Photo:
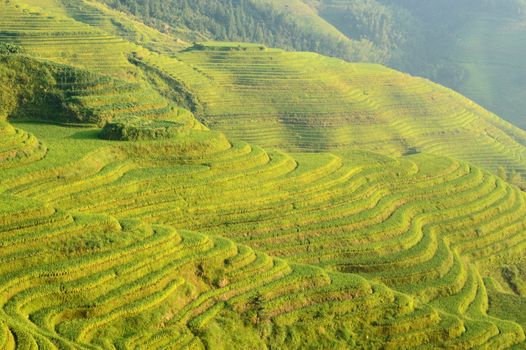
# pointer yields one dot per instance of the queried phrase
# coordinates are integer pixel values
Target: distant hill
(276, 23)
(470, 46)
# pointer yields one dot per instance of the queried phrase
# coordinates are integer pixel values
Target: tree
(256, 308)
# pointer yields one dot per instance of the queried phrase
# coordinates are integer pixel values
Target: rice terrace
(251, 174)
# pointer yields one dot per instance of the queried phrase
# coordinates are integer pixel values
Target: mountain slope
(151, 231)
(405, 222)
(302, 101)
(467, 45)
(470, 46)
(285, 24)
(310, 102)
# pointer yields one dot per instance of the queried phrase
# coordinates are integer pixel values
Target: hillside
(157, 194)
(469, 46)
(496, 78)
(466, 45)
(430, 228)
(289, 24)
(303, 101)
(310, 103)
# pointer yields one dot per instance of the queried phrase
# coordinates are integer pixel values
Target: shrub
(138, 129)
(7, 49)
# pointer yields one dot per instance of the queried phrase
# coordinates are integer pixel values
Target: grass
(306, 102)
(319, 230)
(18, 147)
(133, 281)
(268, 97)
(288, 231)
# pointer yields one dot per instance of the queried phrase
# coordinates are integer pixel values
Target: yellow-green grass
(421, 224)
(114, 22)
(81, 33)
(94, 240)
(67, 33)
(61, 39)
(307, 102)
(268, 97)
(93, 282)
(18, 147)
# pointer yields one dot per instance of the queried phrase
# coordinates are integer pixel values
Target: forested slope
(288, 25)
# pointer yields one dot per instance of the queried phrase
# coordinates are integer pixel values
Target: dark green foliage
(511, 276)
(28, 89)
(256, 309)
(137, 129)
(387, 28)
(506, 305)
(34, 90)
(6, 49)
(247, 21)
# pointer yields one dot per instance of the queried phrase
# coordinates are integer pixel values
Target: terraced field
(94, 99)
(307, 102)
(384, 237)
(62, 39)
(18, 147)
(268, 97)
(79, 33)
(424, 226)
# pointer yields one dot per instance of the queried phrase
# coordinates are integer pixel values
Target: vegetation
(136, 129)
(323, 216)
(314, 103)
(289, 25)
(437, 40)
(10, 49)
(18, 147)
(310, 102)
(125, 224)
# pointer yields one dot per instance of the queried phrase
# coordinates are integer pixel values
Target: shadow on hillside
(92, 134)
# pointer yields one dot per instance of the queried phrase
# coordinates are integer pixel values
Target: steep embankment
(38, 90)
